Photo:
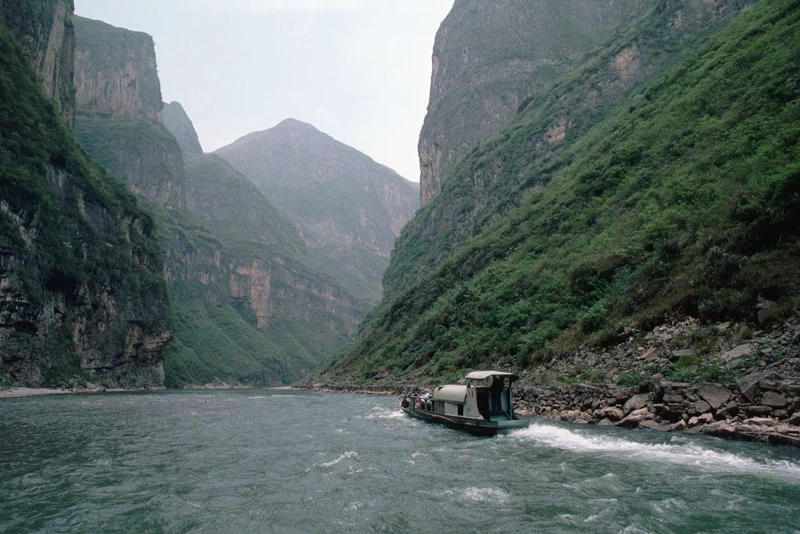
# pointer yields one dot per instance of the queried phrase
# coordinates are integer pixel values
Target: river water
(283, 461)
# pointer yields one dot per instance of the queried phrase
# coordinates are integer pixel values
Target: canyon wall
(118, 111)
(45, 31)
(491, 57)
(82, 295)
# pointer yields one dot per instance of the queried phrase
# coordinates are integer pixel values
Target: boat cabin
(486, 395)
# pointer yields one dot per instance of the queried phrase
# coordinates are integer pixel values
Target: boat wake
(683, 454)
(382, 413)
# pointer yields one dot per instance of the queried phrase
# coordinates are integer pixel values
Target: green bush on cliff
(686, 196)
(70, 210)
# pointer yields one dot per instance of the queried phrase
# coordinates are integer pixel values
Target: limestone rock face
(178, 122)
(490, 57)
(116, 72)
(82, 295)
(348, 208)
(118, 111)
(48, 37)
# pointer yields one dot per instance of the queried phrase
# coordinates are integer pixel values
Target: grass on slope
(33, 139)
(500, 175)
(687, 196)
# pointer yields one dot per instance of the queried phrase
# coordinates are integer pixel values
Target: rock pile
(764, 406)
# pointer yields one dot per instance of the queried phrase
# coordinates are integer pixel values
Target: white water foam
(382, 413)
(494, 495)
(345, 456)
(683, 454)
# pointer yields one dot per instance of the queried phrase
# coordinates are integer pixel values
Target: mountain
(348, 208)
(616, 206)
(249, 306)
(82, 294)
(491, 57)
(502, 173)
(178, 122)
(118, 111)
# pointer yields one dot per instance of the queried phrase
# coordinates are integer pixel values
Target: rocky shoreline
(762, 407)
(90, 389)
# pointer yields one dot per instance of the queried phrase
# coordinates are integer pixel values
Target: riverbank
(90, 389)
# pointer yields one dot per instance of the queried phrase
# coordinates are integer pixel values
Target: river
(284, 461)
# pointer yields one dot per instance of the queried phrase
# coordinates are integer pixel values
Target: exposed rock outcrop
(82, 296)
(46, 32)
(491, 57)
(118, 111)
(348, 208)
(178, 122)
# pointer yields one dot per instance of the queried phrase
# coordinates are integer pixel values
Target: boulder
(794, 419)
(758, 410)
(672, 397)
(760, 421)
(720, 429)
(774, 400)
(702, 407)
(610, 412)
(714, 395)
(570, 415)
(636, 402)
(605, 422)
(652, 425)
(636, 417)
(738, 352)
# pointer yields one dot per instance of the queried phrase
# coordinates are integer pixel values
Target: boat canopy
(482, 375)
(451, 394)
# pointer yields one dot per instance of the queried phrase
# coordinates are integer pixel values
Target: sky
(358, 70)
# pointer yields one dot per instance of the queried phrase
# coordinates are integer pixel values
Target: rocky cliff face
(251, 308)
(348, 208)
(502, 173)
(490, 57)
(118, 111)
(46, 32)
(178, 122)
(82, 296)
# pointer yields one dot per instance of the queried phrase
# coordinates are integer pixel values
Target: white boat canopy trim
(451, 394)
(481, 375)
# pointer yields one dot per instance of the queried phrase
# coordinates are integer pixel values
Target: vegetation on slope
(66, 231)
(687, 196)
(500, 174)
(217, 335)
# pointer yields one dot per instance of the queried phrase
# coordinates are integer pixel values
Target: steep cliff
(499, 175)
(45, 31)
(118, 111)
(683, 198)
(82, 295)
(178, 122)
(490, 57)
(250, 308)
(348, 208)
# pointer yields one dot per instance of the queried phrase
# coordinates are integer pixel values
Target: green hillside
(497, 176)
(228, 228)
(73, 245)
(685, 196)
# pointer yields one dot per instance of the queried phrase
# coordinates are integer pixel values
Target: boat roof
(481, 375)
(451, 394)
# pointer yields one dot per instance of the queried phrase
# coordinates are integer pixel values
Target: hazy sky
(358, 70)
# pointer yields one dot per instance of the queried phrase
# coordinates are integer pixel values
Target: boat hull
(477, 427)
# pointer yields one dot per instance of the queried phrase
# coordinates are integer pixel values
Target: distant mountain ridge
(348, 208)
(249, 306)
(178, 122)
